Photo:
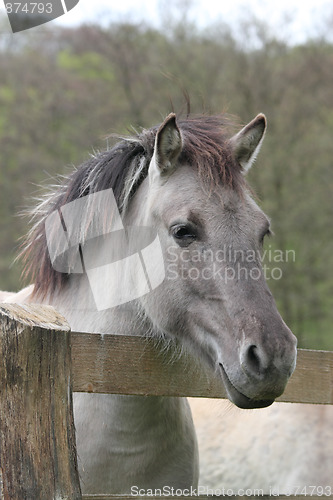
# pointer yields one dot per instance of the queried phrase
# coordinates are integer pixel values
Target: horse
(180, 189)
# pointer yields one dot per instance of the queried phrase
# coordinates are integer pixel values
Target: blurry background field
(63, 90)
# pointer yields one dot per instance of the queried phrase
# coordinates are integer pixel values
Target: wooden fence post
(37, 437)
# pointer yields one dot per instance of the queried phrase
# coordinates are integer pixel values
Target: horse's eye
(183, 234)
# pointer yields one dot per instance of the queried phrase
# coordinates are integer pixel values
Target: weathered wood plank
(312, 381)
(135, 365)
(37, 452)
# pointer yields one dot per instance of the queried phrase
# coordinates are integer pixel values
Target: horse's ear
(246, 144)
(168, 145)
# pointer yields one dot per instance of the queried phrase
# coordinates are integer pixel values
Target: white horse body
(231, 324)
(285, 449)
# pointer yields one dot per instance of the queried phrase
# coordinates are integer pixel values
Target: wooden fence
(42, 362)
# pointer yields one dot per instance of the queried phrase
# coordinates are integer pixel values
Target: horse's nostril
(253, 359)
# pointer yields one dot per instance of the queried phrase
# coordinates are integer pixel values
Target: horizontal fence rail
(42, 362)
(123, 364)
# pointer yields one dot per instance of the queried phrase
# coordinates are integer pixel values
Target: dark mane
(123, 168)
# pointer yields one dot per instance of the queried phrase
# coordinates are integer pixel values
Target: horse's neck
(134, 440)
(76, 303)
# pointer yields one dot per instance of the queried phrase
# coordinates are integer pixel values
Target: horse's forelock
(205, 147)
